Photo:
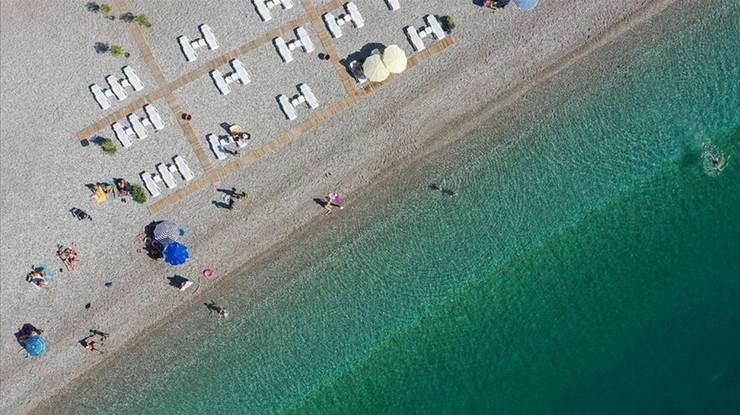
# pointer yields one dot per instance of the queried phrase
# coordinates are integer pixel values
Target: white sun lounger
(207, 39)
(154, 117)
(285, 49)
(150, 184)
(116, 87)
(123, 134)
(393, 4)
(183, 167)
(222, 81)
(311, 100)
(263, 7)
(414, 38)
(100, 97)
(288, 105)
(166, 175)
(216, 146)
(334, 24)
(132, 78)
(137, 126)
(436, 28)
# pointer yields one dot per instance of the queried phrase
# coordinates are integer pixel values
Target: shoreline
(452, 132)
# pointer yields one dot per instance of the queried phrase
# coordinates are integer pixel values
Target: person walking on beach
(235, 197)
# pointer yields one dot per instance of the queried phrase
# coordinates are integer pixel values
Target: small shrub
(109, 146)
(117, 51)
(447, 23)
(143, 20)
(138, 193)
(106, 9)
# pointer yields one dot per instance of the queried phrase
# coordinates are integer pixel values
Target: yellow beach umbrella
(375, 69)
(394, 59)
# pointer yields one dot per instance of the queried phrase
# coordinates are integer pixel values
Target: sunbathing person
(108, 188)
(122, 186)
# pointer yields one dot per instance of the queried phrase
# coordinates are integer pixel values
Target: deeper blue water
(587, 264)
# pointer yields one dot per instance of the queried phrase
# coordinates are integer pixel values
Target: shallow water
(587, 264)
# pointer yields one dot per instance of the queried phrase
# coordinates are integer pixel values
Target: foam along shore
(493, 53)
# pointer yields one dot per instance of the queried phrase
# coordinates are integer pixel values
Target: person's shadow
(220, 204)
(321, 202)
(212, 307)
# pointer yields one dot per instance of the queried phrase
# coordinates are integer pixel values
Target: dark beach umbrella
(35, 345)
(176, 254)
(166, 229)
(526, 5)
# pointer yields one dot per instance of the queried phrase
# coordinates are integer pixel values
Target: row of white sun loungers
(207, 39)
(218, 145)
(305, 95)
(416, 37)
(137, 126)
(222, 81)
(335, 23)
(263, 7)
(166, 170)
(285, 48)
(116, 87)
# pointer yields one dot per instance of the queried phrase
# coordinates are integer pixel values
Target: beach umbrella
(526, 5)
(375, 69)
(176, 254)
(166, 229)
(394, 59)
(35, 345)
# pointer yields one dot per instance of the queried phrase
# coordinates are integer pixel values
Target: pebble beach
(49, 60)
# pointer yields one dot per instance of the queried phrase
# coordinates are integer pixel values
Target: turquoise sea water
(587, 264)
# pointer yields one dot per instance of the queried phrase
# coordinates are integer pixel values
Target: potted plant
(117, 51)
(109, 146)
(143, 20)
(447, 23)
(138, 193)
(107, 11)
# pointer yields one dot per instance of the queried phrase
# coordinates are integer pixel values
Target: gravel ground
(48, 61)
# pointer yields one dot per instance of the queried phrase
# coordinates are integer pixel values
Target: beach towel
(100, 196)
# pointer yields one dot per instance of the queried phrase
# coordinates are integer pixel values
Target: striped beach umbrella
(166, 230)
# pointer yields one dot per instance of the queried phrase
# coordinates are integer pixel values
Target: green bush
(106, 9)
(109, 146)
(143, 20)
(138, 193)
(447, 23)
(117, 51)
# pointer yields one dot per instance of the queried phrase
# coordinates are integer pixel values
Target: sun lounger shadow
(177, 281)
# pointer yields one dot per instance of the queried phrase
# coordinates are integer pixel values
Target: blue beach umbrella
(35, 345)
(526, 5)
(176, 253)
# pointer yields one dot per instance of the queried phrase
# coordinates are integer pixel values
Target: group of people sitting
(70, 255)
(495, 4)
(27, 331)
(92, 345)
(101, 191)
